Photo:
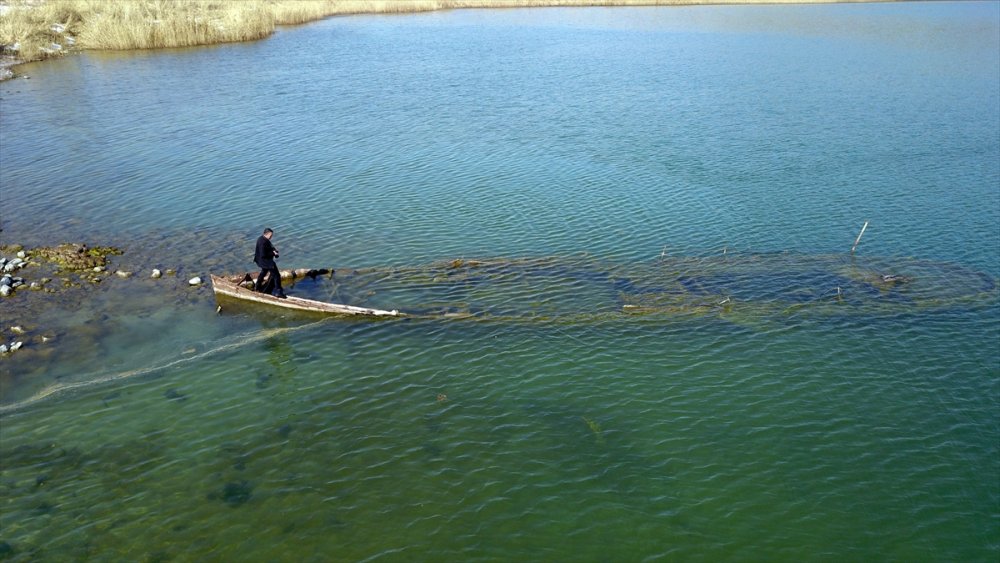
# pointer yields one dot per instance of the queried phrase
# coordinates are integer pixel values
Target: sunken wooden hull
(236, 287)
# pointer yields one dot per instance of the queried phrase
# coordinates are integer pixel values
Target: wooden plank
(230, 288)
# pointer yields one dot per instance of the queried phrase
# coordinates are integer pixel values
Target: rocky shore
(6, 66)
(32, 279)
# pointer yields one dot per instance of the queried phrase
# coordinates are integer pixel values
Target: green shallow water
(332, 449)
(666, 352)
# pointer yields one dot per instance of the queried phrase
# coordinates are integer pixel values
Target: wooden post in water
(857, 240)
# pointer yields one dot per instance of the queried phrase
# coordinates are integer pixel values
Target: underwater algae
(582, 289)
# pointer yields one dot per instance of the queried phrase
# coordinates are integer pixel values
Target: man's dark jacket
(264, 255)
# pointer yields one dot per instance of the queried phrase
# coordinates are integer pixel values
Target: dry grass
(29, 28)
(152, 24)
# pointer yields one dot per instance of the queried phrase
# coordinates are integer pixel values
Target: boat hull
(233, 287)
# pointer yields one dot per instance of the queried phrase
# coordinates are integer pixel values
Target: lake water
(671, 355)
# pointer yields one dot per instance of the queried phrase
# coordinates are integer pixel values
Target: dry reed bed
(36, 29)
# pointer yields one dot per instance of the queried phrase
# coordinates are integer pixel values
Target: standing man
(264, 257)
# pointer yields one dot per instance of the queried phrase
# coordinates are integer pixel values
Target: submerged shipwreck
(580, 289)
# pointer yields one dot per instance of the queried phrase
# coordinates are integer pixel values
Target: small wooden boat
(241, 287)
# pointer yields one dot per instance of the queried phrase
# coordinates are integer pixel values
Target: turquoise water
(665, 157)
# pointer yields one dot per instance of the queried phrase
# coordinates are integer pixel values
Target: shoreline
(145, 27)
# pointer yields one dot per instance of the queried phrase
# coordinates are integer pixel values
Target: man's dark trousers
(273, 283)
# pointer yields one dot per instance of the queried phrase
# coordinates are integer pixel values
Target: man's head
(268, 233)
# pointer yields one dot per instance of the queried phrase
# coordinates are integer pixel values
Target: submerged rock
(110, 397)
(263, 381)
(12, 264)
(6, 550)
(175, 395)
(236, 493)
(77, 257)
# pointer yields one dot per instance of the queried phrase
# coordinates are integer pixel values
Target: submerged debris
(175, 395)
(736, 287)
(236, 493)
(595, 428)
(893, 278)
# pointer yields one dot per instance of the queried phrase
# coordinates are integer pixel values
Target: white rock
(3, 348)
(123, 274)
(21, 254)
(98, 269)
(156, 273)
(16, 346)
(195, 281)
(17, 329)
(5, 290)
(35, 285)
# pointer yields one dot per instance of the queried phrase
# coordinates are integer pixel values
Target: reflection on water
(677, 359)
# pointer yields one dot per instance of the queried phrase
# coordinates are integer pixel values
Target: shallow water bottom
(754, 413)
(444, 440)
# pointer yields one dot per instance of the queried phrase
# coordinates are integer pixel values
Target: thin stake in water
(857, 240)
